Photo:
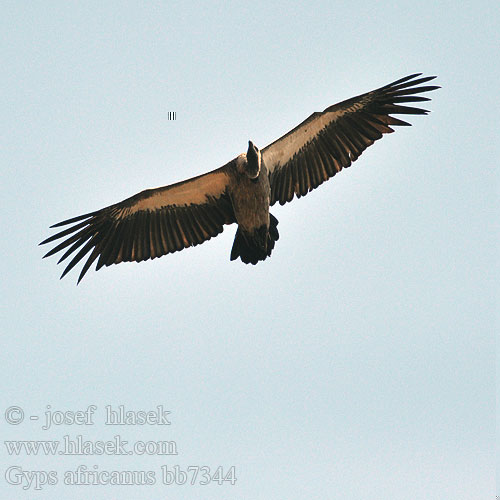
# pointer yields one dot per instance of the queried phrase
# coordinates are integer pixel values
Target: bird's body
(250, 197)
(158, 221)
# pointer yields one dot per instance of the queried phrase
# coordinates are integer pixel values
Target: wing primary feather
(402, 80)
(64, 233)
(79, 242)
(92, 257)
(75, 219)
(110, 240)
(116, 244)
(83, 251)
(128, 242)
(410, 91)
(409, 98)
(404, 110)
(391, 120)
(68, 241)
(402, 85)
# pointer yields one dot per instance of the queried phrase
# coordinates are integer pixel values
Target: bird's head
(253, 161)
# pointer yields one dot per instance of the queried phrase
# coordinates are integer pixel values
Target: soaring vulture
(158, 221)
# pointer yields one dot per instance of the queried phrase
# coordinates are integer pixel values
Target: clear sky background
(359, 361)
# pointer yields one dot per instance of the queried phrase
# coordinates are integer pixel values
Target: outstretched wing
(326, 142)
(148, 225)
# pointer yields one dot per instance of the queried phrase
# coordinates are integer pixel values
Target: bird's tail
(256, 246)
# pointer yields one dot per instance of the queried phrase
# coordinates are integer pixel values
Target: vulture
(167, 219)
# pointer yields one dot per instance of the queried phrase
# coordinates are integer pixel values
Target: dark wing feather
(326, 142)
(148, 225)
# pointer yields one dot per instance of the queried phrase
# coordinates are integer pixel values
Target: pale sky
(359, 361)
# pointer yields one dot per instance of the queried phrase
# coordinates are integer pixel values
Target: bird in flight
(159, 221)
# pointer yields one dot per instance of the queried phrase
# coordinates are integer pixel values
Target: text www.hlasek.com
(80, 446)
